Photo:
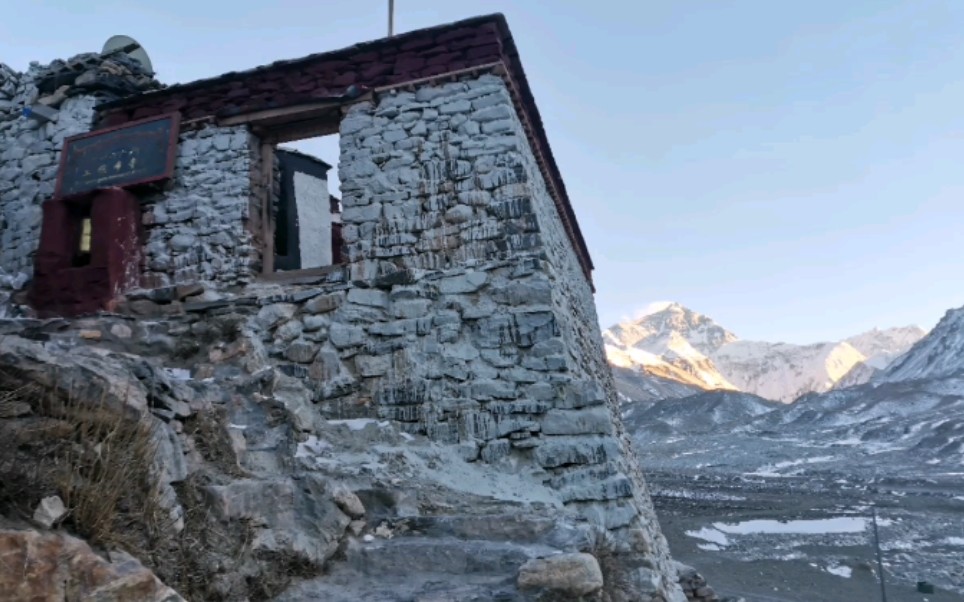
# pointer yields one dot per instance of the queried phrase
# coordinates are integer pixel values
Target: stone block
(458, 106)
(560, 451)
(289, 331)
(410, 308)
(580, 394)
(373, 365)
(302, 352)
(368, 297)
(325, 303)
(496, 450)
(493, 389)
(312, 323)
(270, 316)
(589, 421)
(346, 335)
(522, 406)
(468, 282)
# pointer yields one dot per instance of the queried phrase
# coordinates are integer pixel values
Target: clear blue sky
(793, 169)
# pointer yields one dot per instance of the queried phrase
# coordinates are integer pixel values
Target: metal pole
(880, 562)
(391, 18)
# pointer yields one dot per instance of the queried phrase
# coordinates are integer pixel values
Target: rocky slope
(671, 342)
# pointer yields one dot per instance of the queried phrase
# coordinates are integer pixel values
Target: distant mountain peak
(657, 307)
(671, 341)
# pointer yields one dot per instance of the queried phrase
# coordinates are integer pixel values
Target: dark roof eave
(293, 63)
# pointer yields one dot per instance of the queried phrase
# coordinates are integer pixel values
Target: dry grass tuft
(99, 458)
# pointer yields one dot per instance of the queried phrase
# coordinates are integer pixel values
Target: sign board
(135, 153)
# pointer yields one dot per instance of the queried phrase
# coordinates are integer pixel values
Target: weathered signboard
(139, 152)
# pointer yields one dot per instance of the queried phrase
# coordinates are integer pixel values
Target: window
(299, 217)
(84, 233)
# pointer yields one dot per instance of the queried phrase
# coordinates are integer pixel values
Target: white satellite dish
(131, 48)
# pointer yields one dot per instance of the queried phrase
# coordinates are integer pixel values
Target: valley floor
(808, 537)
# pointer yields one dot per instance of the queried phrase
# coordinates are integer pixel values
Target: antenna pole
(391, 18)
(880, 563)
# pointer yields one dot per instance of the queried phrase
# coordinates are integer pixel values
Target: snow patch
(770, 470)
(357, 424)
(178, 373)
(840, 571)
(311, 447)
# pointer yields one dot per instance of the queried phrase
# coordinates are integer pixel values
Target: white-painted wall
(314, 220)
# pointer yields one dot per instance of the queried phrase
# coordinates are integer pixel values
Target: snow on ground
(178, 373)
(770, 470)
(357, 424)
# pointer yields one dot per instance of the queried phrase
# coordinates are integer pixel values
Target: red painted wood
(59, 288)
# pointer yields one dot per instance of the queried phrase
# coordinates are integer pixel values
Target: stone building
(456, 299)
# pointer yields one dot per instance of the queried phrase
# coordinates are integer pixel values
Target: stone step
(427, 587)
(515, 528)
(405, 556)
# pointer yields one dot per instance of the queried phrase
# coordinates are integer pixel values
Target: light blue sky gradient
(793, 169)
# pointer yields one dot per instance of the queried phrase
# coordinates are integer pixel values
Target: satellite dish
(131, 48)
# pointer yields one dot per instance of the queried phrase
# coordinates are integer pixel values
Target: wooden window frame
(277, 126)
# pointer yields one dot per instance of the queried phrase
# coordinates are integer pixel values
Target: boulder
(54, 566)
(576, 574)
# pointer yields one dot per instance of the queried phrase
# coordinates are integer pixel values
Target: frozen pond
(839, 524)
(717, 534)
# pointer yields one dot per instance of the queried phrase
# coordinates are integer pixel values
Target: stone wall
(200, 227)
(486, 333)
(462, 313)
(30, 149)
(29, 156)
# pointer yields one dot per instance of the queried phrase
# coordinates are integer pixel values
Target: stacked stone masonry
(200, 227)
(464, 311)
(30, 148)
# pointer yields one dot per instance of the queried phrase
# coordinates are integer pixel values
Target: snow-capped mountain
(784, 372)
(939, 354)
(672, 342)
(881, 347)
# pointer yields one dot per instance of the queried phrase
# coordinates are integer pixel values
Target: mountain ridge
(671, 341)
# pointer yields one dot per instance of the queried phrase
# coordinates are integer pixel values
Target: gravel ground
(823, 551)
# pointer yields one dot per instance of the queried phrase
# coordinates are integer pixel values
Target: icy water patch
(711, 535)
(839, 524)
